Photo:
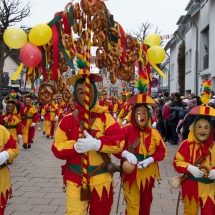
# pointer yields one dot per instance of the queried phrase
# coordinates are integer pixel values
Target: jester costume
(11, 119)
(143, 149)
(8, 150)
(195, 158)
(30, 117)
(62, 108)
(104, 136)
(50, 115)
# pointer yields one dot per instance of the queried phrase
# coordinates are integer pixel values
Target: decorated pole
(87, 91)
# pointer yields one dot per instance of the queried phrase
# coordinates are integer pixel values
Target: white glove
(154, 125)
(145, 163)
(114, 115)
(129, 156)
(87, 144)
(124, 122)
(195, 171)
(65, 110)
(33, 124)
(212, 174)
(42, 117)
(118, 120)
(19, 136)
(3, 157)
(56, 118)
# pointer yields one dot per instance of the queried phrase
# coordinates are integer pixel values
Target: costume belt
(141, 157)
(28, 117)
(3, 165)
(202, 180)
(91, 170)
(10, 126)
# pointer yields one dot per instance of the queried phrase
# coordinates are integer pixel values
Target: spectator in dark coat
(188, 120)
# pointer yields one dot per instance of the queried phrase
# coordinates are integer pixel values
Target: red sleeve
(36, 117)
(19, 128)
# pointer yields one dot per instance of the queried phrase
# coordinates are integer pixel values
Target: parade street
(37, 183)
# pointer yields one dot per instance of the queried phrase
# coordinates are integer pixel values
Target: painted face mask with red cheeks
(141, 116)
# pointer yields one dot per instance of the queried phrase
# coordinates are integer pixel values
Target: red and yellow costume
(29, 116)
(105, 129)
(126, 108)
(144, 148)
(13, 124)
(198, 151)
(61, 106)
(50, 113)
(195, 191)
(7, 143)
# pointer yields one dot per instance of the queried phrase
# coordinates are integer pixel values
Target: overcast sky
(130, 14)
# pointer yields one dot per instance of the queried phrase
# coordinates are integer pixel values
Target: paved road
(37, 183)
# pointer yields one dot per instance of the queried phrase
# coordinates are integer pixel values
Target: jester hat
(205, 98)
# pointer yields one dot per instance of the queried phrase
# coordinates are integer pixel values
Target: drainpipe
(168, 73)
(196, 74)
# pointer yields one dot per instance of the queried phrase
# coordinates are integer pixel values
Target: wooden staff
(86, 106)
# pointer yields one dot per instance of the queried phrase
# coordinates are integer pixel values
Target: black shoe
(52, 137)
(29, 146)
(47, 136)
(24, 146)
(44, 133)
(174, 143)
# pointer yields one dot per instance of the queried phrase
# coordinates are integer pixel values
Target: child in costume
(195, 158)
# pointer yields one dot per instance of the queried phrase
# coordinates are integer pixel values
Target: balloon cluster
(30, 54)
(156, 54)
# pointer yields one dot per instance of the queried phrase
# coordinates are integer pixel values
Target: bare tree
(11, 12)
(143, 30)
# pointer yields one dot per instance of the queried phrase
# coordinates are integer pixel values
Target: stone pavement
(37, 183)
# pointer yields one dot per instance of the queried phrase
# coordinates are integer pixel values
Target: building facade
(197, 30)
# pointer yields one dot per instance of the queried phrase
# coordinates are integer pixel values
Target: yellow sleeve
(121, 113)
(115, 109)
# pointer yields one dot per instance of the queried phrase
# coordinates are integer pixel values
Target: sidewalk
(37, 183)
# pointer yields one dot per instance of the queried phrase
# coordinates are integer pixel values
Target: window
(186, 61)
(190, 59)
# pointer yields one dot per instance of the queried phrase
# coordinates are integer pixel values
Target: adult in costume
(8, 151)
(144, 148)
(11, 120)
(112, 104)
(103, 101)
(49, 114)
(61, 106)
(120, 102)
(125, 107)
(30, 117)
(195, 158)
(103, 138)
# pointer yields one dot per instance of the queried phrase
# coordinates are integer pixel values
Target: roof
(167, 46)
(180, 19)
(189, 5)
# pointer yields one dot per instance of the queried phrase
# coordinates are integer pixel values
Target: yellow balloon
(156, 54)
(152, 40)
(40, 34)
(15, 37)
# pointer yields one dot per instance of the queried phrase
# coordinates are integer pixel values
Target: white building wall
(204, 18)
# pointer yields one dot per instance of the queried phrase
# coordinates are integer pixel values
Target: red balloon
(30, 55)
